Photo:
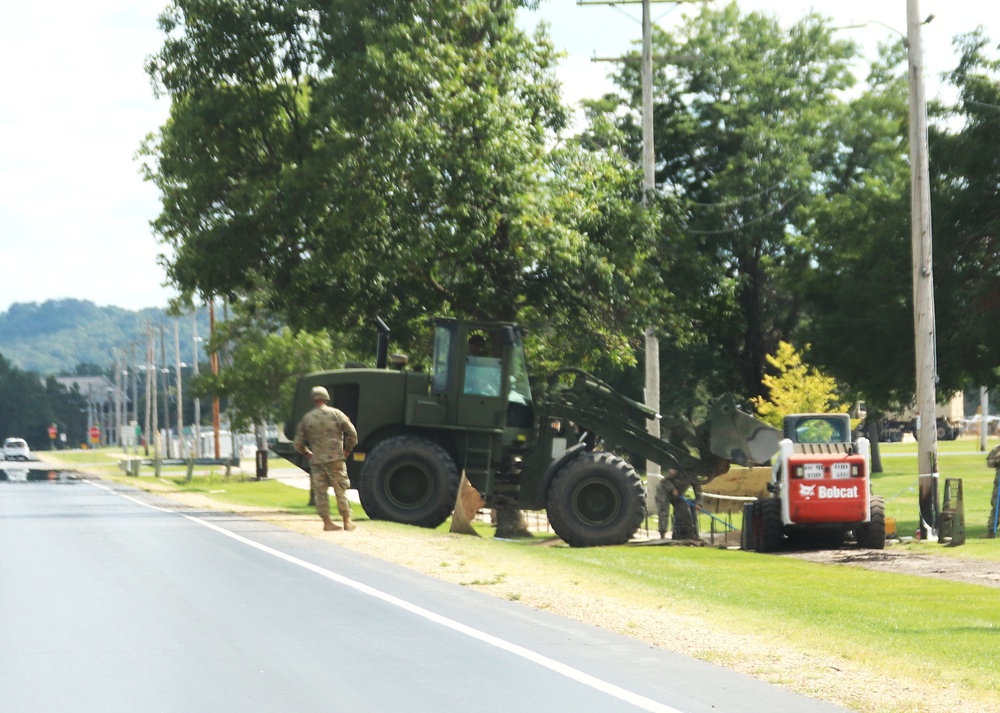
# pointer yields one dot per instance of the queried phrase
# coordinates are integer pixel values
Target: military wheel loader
(475, 414)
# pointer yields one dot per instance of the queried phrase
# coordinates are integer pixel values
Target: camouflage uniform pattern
(325, 434)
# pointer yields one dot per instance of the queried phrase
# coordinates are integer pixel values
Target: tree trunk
(510, 522)
(872, 434)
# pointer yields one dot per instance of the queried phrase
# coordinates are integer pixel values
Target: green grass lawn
(956, 459)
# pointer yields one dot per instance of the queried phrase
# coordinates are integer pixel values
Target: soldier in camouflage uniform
(327, 436)
(685, 526)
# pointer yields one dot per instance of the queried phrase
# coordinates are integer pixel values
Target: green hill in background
(55, 336)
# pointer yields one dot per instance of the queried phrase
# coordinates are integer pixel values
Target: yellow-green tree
(795, 387)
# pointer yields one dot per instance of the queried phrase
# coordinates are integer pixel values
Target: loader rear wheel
(596, 499)
(767, 527)
(409, 479)
(871, 535)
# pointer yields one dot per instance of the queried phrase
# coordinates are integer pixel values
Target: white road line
(586, 679)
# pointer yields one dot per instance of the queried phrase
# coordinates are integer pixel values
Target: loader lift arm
(696, 453)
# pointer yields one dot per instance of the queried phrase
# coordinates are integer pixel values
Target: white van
(16, 449)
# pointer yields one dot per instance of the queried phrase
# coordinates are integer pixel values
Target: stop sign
(95, 434)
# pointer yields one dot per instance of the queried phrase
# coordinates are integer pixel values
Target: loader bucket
(739, 437)
(467, 504)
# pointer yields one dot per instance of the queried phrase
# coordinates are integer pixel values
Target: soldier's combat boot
(329, 524)
(348, 525)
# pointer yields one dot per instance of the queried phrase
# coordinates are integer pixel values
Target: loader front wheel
(596, 499)
(409, 479)
(871, 535)
(767, 527)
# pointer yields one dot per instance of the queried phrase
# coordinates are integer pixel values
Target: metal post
(984, 413)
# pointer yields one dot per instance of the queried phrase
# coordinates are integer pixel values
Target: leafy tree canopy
(263, 361)
(742, 124)
(348, 160)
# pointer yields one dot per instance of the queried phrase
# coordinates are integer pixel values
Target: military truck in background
(895, 426)
(476, 413)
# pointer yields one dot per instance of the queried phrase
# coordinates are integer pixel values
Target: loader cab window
(483, 367)
(520, 386)
(520, 413)
(820, 430)
(443, 337)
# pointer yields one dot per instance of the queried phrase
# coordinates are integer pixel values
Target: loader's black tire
(768, 529)
(871, 535)
(596, 499)
(409, 479)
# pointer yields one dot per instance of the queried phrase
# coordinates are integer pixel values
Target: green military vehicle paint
(475, 413)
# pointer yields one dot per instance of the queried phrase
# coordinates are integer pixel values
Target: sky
(76, 105)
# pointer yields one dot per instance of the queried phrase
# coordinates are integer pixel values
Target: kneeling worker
(327, 436)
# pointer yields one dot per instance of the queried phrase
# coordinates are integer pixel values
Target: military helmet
(318, 392)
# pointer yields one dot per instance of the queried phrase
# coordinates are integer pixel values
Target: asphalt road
(113, 600)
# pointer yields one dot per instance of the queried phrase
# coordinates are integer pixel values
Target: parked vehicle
(16, 449)
(894, 426)
(821, 489)
(476, 414)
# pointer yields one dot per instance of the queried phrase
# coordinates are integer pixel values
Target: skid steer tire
(596, 499)
(871, 535)
(409, 479)
(767, 527)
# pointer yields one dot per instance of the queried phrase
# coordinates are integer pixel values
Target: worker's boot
(329, 524)
(348, 525)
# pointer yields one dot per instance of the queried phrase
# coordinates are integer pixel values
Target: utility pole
(149, 393)
(197, 399)
(652, 391)
(214, 358)
(923, 280)
(134, 421)
(180, 390)
(151, 377)
(165, 378)
(118, 399)
(652, 342)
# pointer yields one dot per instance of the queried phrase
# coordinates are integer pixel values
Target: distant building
(100, 394)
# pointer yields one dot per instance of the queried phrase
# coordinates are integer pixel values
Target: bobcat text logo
(825, 492)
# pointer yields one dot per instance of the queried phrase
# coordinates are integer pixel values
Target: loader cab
(482, 365)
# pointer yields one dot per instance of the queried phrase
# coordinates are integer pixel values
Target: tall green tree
(350, 159)
(966, 164)
(742, 117)
(30, 404)
(263, 363)
(858, 287)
